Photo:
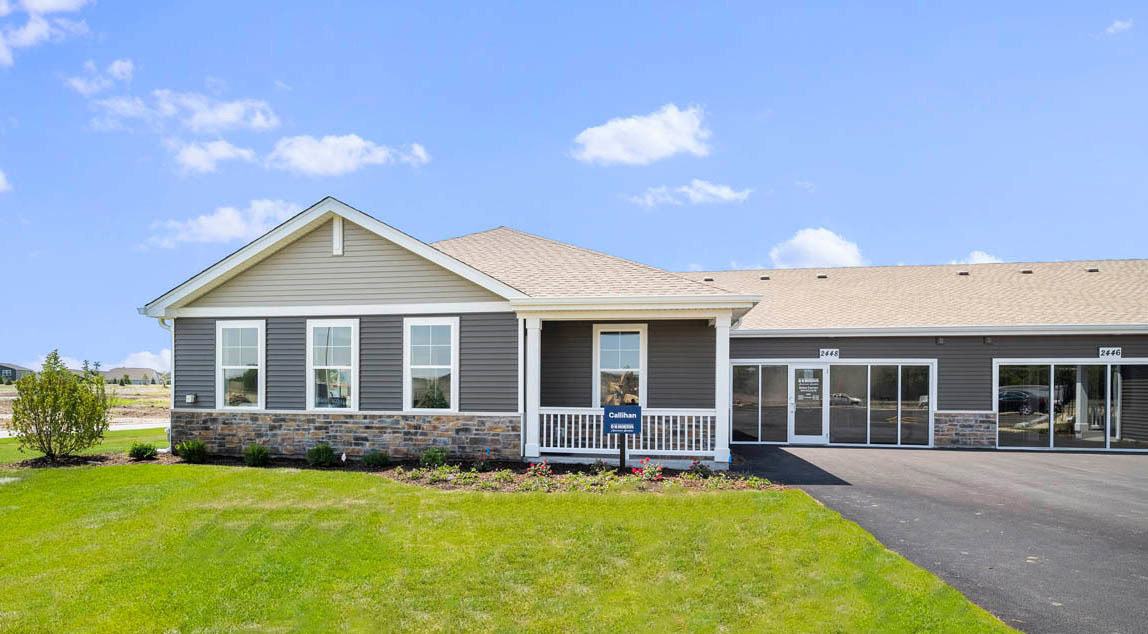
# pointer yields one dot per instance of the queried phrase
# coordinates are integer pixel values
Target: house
(13, 372)
(137, 376)
(335, 327)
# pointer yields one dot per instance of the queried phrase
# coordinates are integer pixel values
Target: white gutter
(661, 302)
(948, 331)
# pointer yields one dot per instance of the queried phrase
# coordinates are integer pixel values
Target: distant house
(13, 371)
(138, 376)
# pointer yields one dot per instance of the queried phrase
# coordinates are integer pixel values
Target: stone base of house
(290, 435)
(964, 430)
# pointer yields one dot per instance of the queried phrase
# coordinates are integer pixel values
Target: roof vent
(1092, 269)
(763, 277)
(962, 272)
(707, 279)
(822, 276)
(1026, 271)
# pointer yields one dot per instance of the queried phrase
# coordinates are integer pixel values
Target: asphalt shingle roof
(1054, 293)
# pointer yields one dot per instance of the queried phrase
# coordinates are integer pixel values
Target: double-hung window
(619, 364)
(430, 363)
(239, 359)
(333, 364)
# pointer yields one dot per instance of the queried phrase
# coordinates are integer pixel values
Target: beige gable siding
(372, 270)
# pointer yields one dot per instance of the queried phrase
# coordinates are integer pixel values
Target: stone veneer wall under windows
(964, 430)
(291, 434)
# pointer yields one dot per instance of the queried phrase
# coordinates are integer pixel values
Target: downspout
(170, 327)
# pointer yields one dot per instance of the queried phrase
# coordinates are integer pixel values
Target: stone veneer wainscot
(964, 430)
(402, 436)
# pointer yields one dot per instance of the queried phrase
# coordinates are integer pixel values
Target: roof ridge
(910, 266)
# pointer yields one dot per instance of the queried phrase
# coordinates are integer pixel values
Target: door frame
(823, 437)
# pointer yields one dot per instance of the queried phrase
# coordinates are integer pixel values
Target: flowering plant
(700, 468)
(648, 471)
(539, 470)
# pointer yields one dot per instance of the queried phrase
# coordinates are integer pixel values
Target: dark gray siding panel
(286, 363)
(488, 362)
(195, 362)
(965, 364)
(381, 358)
(567, 355)
(681, 357)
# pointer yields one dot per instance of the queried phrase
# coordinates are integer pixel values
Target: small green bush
(433, 457)
(256, 455)
(193, 451)
(506, 476)
(142, 451)
(376, 459)
(322, 455)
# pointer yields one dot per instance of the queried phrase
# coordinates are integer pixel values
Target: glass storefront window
(914, 405)
(848, 403)
(1022, 406)
(1079, 406)
(775, 403)
(1129, 425)
(883, 404)
(745, 403)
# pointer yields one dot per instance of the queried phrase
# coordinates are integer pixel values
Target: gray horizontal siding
(286, 363)
(964, 364)
(681, 359)
(194, 355)
(381, 362)
(488, 362)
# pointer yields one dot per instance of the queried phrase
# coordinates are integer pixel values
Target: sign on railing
(623, 419)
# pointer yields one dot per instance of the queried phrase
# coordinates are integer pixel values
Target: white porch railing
(665, 432)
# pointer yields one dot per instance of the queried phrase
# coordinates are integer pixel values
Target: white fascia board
(949, 331)
(615, 314)
(340, 310)
(657, 302)
(313, 216)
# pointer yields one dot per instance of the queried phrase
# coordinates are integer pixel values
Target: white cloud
(203, 157)
(196, 112)
(37, 29)
(225, 224)
(654, 196)
(1118, 26)
(145, 359)
(640, 140)
(5, 186)
(52, 6)
(282, 85)
(978, 257)
(815, 248)
(93, 81)
(698, 192)
(806, 185)
(334, 155)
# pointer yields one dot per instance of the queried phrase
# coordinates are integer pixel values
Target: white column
(722, 390)
(533, 385)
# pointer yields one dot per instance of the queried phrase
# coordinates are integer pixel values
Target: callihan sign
(622, 419)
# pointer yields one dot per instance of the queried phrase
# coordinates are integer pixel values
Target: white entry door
(809, 404)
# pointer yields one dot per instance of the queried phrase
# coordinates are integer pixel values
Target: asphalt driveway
(1048, 542)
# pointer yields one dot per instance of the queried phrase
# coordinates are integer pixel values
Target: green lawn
(114, 442)
(209, 549)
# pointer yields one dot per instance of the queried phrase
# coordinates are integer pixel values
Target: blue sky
(139, 144)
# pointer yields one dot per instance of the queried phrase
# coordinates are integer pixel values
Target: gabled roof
(541, 267)
(300, 224)
(1054, 296)
(133, 373)
(15, 367)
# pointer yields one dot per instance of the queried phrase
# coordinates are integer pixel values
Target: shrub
(539, 469)
(321, 455)
(505, 476)
(433, 457)
(376, 459)
(256, 455)
(700, 468)
(483, 464)
(142, 451)
(601, 466)
(648, 471)
(57, 412)
(193, 451)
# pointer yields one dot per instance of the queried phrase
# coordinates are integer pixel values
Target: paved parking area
(1048, 542)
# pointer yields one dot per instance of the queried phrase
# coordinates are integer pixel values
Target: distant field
(130, 401)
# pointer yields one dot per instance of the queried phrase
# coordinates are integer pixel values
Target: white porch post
(722, 390)
(533, 385)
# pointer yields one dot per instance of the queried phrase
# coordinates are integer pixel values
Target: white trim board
(327, 412)
(948, 331)
(302, 222)
(338, 310)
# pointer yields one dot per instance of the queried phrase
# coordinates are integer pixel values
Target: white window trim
(353, 405)
(260, 325)
(643, 369)
(454, 373)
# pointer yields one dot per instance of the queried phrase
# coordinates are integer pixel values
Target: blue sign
(622, 419)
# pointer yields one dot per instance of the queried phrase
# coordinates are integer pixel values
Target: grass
(114, 442)
(208, 549)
